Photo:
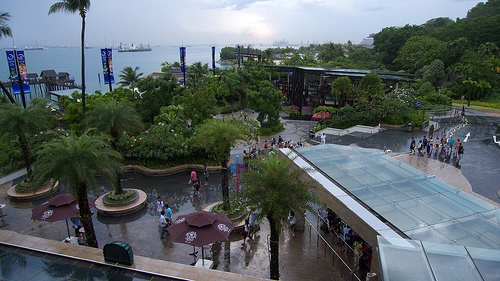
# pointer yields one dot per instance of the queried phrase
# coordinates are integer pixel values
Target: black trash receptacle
(118, 251)
(409, 128)
(311, 134)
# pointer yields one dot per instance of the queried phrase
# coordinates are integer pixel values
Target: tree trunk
(274, 241)
(86, 216)
(118, 183)
(26, 155)
(83, 63)
(225, 186)
(7, 93)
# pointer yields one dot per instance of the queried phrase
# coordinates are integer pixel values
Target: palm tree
(76, 161)
(24, 122)
(5, 31)
(218, 137)
(74, 6)
(129, 77)
(272, 187)
(114, 118)
(196, 73)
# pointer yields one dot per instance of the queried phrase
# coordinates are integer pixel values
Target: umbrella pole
(202, 255)
(67, 227)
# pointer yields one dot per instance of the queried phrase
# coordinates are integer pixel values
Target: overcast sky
(220, 22)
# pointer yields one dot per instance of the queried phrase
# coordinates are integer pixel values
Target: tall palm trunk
(26, 155)
(82, 14)
(86, 216)
(118, 183)
(274, 240)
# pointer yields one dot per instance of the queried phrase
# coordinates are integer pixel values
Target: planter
(25, 195)
(123, 203)
(123, 208)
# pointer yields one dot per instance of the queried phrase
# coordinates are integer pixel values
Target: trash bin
(409, 128)
(371, 276)
(311, 134)
(118, 251)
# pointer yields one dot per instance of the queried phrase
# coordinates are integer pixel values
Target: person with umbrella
(201, 228)
(60, 207)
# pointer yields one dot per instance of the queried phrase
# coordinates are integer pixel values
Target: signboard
(107, 61)
(183, 59)
(418, 104)
(213, 58)
(16, 60)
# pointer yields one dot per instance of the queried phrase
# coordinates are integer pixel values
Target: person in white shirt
(159, 205)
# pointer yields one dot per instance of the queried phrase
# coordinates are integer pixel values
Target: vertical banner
(15, 64)
(107, 65)
(213, 58)
(183, 59)
(239, 56)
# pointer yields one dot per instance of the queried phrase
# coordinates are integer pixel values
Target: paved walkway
(304, 257)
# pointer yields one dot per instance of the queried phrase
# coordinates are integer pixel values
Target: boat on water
(33, 48)
(282, 43)
(134, 48)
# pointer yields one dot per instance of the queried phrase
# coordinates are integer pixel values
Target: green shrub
(291, 112)
(127, 196)
(267, 131)
(236, 210)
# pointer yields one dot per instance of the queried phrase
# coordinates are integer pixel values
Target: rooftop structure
(412, 204)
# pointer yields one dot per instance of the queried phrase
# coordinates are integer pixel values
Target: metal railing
(343, 265)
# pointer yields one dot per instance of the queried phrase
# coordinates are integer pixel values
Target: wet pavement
(303, 257)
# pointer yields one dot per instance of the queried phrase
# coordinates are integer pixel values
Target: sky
(220, 22)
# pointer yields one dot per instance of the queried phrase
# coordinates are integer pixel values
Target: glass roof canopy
(417, 204)
(403, 259)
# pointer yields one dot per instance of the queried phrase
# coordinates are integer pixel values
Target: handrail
(331, 248)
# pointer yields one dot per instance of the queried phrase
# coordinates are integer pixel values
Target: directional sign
(418, 104)
(467, 137)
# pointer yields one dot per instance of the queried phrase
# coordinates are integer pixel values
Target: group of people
(446, 147)
(165, 214)
(250, 228)
(195, 181)
(79, 231)
(280, 143)
(348, 240)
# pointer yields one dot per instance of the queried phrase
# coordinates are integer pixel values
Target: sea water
(68, 60)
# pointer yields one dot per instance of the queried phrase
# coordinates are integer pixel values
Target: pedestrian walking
(293, 221)
(192, 177)
(246, 231)
(412, 145)
(159, 205)
(363, 266)
(252, 223)
(206, 174)
(197, 186)
(168, 215)
(163, 225)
